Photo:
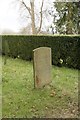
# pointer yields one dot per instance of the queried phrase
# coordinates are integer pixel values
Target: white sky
(9, 14)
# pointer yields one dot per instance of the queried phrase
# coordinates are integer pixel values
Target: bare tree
(32, 13)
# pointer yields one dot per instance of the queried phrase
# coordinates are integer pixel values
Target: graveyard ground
(21, 100)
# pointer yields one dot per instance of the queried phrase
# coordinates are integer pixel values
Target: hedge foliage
(65, 49)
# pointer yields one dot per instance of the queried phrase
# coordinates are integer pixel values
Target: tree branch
(41, 15)
(29, 10)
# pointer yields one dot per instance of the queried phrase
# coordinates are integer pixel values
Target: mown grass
(0, 87)
(21, 100)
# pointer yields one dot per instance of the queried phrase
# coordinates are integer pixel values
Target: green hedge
(64, 48)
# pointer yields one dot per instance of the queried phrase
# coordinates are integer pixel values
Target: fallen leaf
(46, 107)
(52, 93)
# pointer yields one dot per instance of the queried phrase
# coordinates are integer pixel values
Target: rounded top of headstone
(40, 48)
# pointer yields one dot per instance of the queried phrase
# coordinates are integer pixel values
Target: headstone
(42, 66)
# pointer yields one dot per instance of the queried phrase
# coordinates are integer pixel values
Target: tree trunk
(32, 17)
(32, 14)
(69, 16)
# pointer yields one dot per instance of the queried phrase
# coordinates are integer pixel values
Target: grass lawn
(21, 100)
(0, 87)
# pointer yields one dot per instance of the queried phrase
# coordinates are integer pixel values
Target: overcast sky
(10, 17)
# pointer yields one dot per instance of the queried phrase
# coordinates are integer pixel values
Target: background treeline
(65, 49)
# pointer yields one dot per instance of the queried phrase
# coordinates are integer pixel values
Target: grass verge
(21, 100)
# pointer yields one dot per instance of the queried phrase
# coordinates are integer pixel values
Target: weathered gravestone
(42, 66)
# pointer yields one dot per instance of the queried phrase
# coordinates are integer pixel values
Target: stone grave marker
(42, 66)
